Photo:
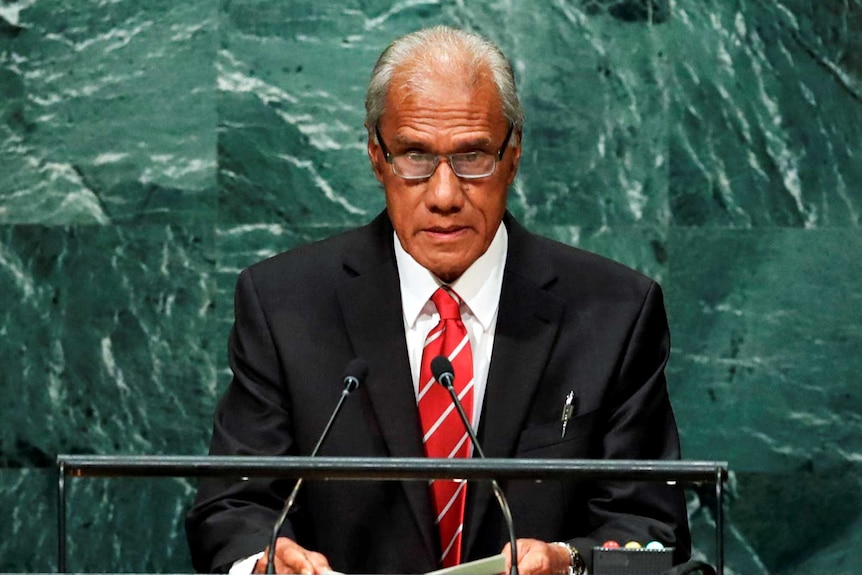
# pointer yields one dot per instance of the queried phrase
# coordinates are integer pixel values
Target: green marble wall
(150, 150)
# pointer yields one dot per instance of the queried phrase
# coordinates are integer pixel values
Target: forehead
(451, 102)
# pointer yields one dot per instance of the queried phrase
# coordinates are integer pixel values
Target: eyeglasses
(466, 165)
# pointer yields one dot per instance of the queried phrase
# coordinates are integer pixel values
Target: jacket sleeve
(232, 517)
(639, 424)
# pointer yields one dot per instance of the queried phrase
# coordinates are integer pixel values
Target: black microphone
(354, 375)
(443, 372)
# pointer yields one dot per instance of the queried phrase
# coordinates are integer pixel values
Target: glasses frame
(390, 158)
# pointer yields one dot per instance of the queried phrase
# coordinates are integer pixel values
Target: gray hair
(434, 44)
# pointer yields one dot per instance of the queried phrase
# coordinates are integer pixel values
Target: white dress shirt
(479, 288)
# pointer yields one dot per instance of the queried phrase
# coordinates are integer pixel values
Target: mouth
(446, 232)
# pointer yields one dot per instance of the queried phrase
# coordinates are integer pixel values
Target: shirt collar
(479, 286)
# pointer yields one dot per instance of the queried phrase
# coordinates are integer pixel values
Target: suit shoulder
(578, 265)
(307, 262)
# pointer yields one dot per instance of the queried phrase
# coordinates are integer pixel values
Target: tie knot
(448, 304)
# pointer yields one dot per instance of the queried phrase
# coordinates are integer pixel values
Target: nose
(444, 191)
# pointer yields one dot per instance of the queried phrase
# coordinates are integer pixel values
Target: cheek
(492, 203)
(403, 208)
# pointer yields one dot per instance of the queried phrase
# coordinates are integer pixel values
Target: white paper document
(493, 565)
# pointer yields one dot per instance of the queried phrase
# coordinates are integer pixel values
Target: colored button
(611, 544)
(654, 546)
(633, 545)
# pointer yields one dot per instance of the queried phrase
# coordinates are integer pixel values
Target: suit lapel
(370, 300)
(527, 324)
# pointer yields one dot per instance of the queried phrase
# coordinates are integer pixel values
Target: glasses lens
(467, 165)
(414, 166)
(473, 164)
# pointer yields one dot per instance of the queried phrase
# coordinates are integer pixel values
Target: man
(542, 326)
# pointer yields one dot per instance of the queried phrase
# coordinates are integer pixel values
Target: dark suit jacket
(568, 321)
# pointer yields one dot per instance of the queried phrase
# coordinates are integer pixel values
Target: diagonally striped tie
(444, 433)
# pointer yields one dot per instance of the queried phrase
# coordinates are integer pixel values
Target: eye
(469, 157)
(417, 158)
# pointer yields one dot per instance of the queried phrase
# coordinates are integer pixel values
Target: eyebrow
(475, 144)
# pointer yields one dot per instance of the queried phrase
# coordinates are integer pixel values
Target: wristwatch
(576, 562)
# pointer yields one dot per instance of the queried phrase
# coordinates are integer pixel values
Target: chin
(448, 275)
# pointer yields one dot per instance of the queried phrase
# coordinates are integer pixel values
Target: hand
(290, 557)
(537, 557)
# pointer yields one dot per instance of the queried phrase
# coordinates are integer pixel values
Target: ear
(516, 160)
(375, 155)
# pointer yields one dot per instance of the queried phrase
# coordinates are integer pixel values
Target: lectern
(683, 473)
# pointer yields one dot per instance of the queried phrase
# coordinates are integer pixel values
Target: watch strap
(576, 561)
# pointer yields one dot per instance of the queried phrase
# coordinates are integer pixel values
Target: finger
(535, 557)
(293, 559)
(507, 553)
(524, 548)
(534, 562)
(319, 562)
(290, 557)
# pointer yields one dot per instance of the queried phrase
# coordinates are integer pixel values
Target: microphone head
(442, 370)
(354, 374)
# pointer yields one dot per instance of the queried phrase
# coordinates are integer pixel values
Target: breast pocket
(546, 441)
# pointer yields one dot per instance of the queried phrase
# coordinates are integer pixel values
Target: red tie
(444, 433)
